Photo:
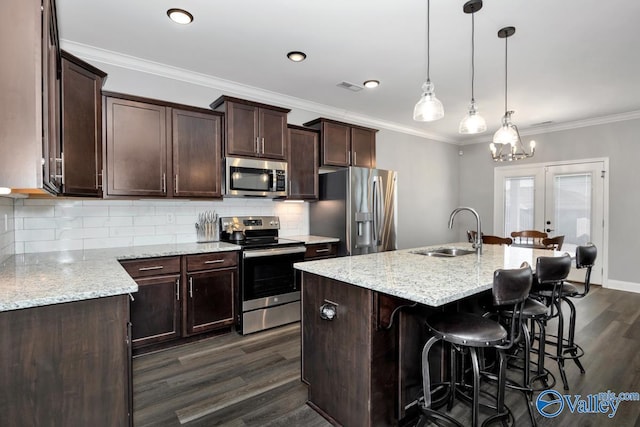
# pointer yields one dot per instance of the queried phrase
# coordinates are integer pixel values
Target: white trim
(117, 59)
(134, 63)
(619, 285)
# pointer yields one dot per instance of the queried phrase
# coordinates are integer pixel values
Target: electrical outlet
(171, 218)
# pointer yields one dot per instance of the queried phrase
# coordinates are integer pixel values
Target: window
(519, 204)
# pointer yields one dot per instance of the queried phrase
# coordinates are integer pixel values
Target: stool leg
(426, 382)
(476, 386)
(572, 333)
(559, 346)
(541, 349)
(453, 378)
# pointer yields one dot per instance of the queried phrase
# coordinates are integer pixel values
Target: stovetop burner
(258, 232)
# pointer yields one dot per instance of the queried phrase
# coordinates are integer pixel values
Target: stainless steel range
(269, 295)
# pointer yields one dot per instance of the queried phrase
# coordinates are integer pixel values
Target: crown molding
(557, 127)
(117, 59)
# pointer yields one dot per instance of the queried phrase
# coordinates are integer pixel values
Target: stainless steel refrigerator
(357, 205)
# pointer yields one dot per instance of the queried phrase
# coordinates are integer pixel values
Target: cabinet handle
(191, 287)
(257, 145)
(178, 289)
(99, 178)
(349, 157)
(318, 251)
(328, 311)
(355, 159)
(214, 261)
(155, 267)
(164, 183)
(262, 150)
(175, 191)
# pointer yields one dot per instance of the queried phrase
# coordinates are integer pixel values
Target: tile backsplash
(43, 225)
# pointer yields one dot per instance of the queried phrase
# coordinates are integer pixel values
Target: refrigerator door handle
(379, 211)
(374, 202)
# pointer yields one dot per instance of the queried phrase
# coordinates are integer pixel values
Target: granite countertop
(31, 280)
(311, 240)
(433, 281)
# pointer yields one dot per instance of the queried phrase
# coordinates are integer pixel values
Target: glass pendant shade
(428, 108)
(507, 134)
(472, 122)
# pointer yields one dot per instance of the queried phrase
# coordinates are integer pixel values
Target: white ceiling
(569, 60)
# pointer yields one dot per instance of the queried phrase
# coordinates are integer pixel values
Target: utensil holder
(207, 232)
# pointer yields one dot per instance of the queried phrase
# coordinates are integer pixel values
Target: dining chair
(554, 243)
(528, 237)
(496, 240)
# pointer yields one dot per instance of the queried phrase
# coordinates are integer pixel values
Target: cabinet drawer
(321, 250)
(211, 261)
(152, 266)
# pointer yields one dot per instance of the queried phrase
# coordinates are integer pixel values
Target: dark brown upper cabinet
(81, 127)
(196, 154)
(253, 129)
(161, 149)
(303, 163)
(344, 144)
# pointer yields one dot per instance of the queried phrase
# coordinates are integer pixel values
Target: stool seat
(546, 290)
(531, 309)
(467, 329)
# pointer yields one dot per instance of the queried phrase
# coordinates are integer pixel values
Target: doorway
(567, 198)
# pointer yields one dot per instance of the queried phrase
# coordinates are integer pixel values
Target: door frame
(538, 170)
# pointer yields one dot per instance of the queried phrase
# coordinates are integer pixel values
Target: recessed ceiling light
(371, 84)
(297, 56)
(180, 16)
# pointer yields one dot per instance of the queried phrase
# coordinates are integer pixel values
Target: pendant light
(473, 121)
(507, 145)
(428, 108)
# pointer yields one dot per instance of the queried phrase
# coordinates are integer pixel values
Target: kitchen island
(361, 355)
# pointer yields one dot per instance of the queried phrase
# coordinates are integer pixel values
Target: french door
(560, 199)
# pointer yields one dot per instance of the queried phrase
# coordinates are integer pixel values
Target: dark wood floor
(255, 380)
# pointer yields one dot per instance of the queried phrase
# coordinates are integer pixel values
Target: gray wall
(617, 141)
(427, 186)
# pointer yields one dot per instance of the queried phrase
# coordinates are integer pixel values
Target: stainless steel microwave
(253, 177)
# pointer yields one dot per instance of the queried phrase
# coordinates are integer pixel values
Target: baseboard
(623, 286)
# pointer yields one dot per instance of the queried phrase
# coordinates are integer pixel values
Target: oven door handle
(254, 253)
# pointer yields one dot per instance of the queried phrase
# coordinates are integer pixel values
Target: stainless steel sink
(443, 252)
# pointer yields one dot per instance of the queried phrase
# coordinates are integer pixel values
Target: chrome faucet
(477, 244)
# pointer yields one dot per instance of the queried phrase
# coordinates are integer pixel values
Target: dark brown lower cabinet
(66, 364)
(155, 309)
(212, 288)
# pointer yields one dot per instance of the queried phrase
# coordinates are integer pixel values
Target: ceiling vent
(350, 86)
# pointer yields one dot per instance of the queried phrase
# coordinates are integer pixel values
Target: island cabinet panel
(348, 362)
(66, 364)
(81, 127)
(303, 163)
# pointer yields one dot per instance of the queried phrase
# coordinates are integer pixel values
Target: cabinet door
(363, 148)
(303, 164)
(242, 130)
(155, 310)
(51, 144)
(210, 300)
(336, 147)
(136, 148)
(273, 134)
(196, 154)
(81, 130)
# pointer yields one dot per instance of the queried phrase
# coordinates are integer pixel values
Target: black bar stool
(473, 332)
(550, 287)
(585, 258)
